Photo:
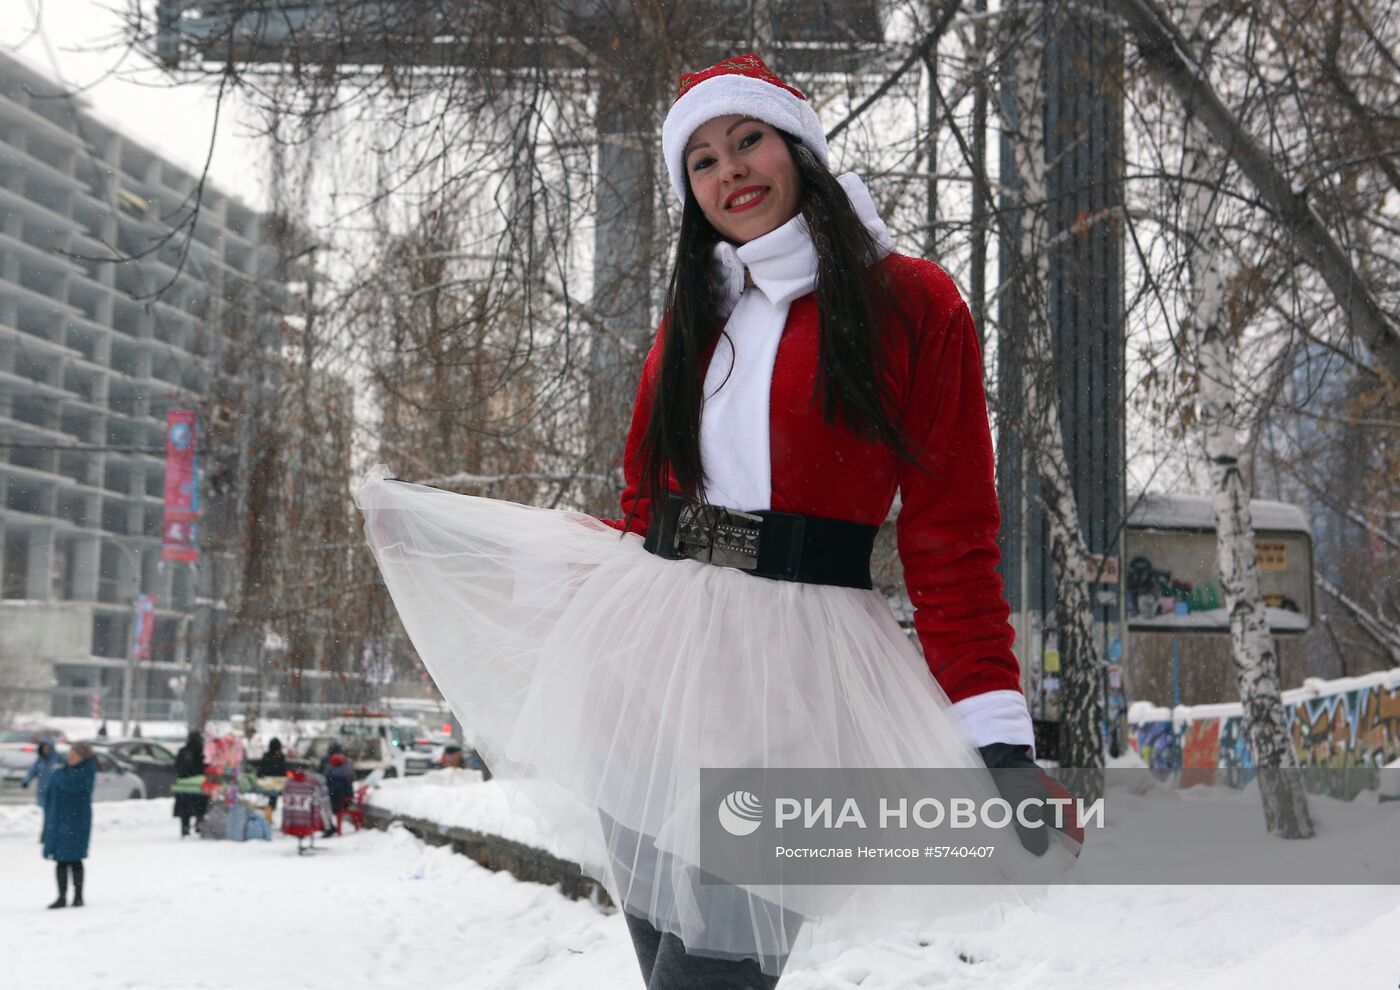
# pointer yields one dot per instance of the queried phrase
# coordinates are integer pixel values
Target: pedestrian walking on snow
(46, 761)
(274, 761)
(273, 764)
(340, 781)
(189, 762)
(68, 820)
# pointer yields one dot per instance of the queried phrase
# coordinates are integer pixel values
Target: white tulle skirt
(596, 679)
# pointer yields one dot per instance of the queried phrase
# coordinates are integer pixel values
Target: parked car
(116, 779)
(152, 762)
(401, 732)
(432, 746)
(18, 748)
(401, 735)
(369, 753)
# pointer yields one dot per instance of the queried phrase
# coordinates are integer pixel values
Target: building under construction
(92, 356)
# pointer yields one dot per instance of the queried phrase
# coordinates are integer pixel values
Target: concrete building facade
(92, 355)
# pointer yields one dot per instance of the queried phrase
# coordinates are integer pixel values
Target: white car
(380, 740)
(116, 781)
(368, 753)
(18, 750)
(432, 745)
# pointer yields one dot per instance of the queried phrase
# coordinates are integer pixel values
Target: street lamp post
(128, 675)
(129, 671)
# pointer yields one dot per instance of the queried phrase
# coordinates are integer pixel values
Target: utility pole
(622, 246)
(1084, 154)
(129, 670)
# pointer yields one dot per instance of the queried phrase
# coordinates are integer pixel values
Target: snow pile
(22, 820)
(460, 799)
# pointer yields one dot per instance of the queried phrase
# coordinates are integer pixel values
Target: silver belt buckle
(716, 535)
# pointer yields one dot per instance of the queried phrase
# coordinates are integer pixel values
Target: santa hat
(744, 85)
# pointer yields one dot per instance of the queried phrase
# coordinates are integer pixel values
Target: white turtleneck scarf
(734, 418)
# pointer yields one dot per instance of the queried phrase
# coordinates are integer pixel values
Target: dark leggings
(666, 965)
(61, 870)
(665, 962)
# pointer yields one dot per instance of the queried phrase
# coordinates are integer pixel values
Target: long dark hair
(852, 297)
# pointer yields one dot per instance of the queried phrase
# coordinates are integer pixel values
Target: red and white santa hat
(742, 84)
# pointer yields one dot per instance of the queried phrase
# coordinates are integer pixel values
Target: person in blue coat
(46, 761)
(68, 820)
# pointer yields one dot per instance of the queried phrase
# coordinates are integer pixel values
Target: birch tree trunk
(1256, 662)
(1081, 709)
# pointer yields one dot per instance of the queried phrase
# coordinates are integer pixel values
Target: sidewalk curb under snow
(497, 853)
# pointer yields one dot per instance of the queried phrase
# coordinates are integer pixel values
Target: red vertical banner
(181, 486)
(143, 627)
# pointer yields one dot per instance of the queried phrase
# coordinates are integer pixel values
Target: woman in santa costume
(805, 373)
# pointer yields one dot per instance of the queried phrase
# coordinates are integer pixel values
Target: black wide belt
(779, 545)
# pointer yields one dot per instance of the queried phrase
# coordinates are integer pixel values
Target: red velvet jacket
(948, 519)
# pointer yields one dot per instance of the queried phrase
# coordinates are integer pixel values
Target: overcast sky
(79, 43)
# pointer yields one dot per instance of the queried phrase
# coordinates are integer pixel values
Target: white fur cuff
(997, 717)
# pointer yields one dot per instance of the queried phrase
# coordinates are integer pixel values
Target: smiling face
(742, 175)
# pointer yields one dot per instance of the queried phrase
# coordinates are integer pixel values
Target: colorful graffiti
(1153, 741)
(1200, 752)
(1333, 726)
(1350, 730)
(1236, 758)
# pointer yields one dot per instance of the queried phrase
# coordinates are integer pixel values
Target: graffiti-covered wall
(1352, 723)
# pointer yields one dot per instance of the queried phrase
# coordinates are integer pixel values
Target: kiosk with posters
(1170, 586)
(1172, 583)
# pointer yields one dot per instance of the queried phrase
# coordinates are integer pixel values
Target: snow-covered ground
(373, 910)
(382, 910)
(1156, 833)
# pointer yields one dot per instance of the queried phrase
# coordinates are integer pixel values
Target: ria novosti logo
(740, 813)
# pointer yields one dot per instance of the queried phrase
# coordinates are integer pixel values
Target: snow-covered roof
(1158, 510)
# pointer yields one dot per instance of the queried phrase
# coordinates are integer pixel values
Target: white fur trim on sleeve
(997, 717)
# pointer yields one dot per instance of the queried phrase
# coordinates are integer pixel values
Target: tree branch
(1164, 49)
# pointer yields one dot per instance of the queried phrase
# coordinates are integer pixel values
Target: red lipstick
(763, 195)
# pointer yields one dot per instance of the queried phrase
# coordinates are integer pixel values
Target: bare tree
(1207, 325)
(1162, 45)
(280, 549)
(1023, 110)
